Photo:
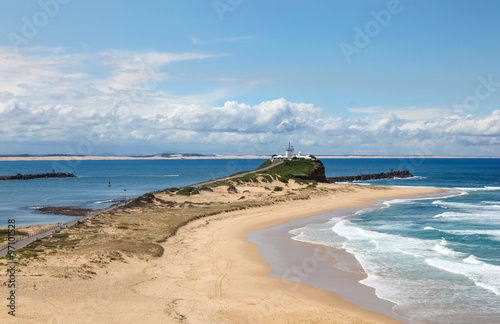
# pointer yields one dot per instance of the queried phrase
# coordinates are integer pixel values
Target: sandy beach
(207, 272)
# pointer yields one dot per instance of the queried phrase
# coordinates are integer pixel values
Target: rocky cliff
(317, 172)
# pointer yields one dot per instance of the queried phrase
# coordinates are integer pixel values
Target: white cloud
(27, 74)
(47, 96)
(413, 113)
(139, 70)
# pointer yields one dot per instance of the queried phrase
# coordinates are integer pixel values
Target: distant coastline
(25, 157)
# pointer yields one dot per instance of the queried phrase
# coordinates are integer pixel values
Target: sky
(343, 77)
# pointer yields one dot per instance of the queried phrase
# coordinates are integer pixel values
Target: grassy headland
(138, 229)
(182, 255)
(282, 172)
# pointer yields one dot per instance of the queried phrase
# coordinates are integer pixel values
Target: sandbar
(209, 273)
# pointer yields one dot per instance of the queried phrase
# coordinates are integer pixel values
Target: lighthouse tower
(289, 152)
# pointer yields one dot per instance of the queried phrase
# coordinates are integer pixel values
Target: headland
(182, 255)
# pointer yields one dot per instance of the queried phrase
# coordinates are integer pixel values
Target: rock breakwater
(374, 176)
(38, 176)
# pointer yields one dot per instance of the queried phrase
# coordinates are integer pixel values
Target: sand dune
(208, 272)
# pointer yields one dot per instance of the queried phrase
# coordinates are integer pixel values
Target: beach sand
(208, 272)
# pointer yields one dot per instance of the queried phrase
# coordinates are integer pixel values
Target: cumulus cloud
(47, 96)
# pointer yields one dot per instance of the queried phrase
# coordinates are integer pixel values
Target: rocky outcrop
(38, 176)
(317, 173)
(375, 176)
(66, 210)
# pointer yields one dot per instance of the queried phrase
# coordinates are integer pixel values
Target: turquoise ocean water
(437, 259)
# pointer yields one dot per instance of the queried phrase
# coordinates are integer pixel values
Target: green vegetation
(283, 179)
(60, 236)
(282, 172)
(206, 188)
(4, 234)
(136, 236)
(51, 243)
(226, 183)
(171, 190)
(29, 251)
(266, 178)
(290, 168)
(265, 164)
(188, 191)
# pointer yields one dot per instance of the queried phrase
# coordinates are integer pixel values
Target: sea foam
(482, 274)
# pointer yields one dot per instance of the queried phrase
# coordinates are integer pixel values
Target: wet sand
(209, 273)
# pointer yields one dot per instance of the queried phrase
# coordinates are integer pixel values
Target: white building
(289, 152)
(289, 155)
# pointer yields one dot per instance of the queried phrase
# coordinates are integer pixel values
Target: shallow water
(438, 259)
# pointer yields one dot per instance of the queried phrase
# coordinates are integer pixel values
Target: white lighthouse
(290, 157)
(289, 152)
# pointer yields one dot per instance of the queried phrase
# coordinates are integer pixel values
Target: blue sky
(240, 76)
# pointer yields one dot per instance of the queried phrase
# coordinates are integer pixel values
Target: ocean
(437, 259)
(129, 178)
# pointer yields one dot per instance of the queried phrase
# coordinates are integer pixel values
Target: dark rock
(317, 173)
(65, 210)
(38, 176)
(375, 176)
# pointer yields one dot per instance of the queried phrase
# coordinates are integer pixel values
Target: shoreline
(229, 242)
(337, 271)
(209, 272)
(221, 157)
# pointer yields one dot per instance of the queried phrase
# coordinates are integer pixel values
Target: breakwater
(38, 176)
(374, 176)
